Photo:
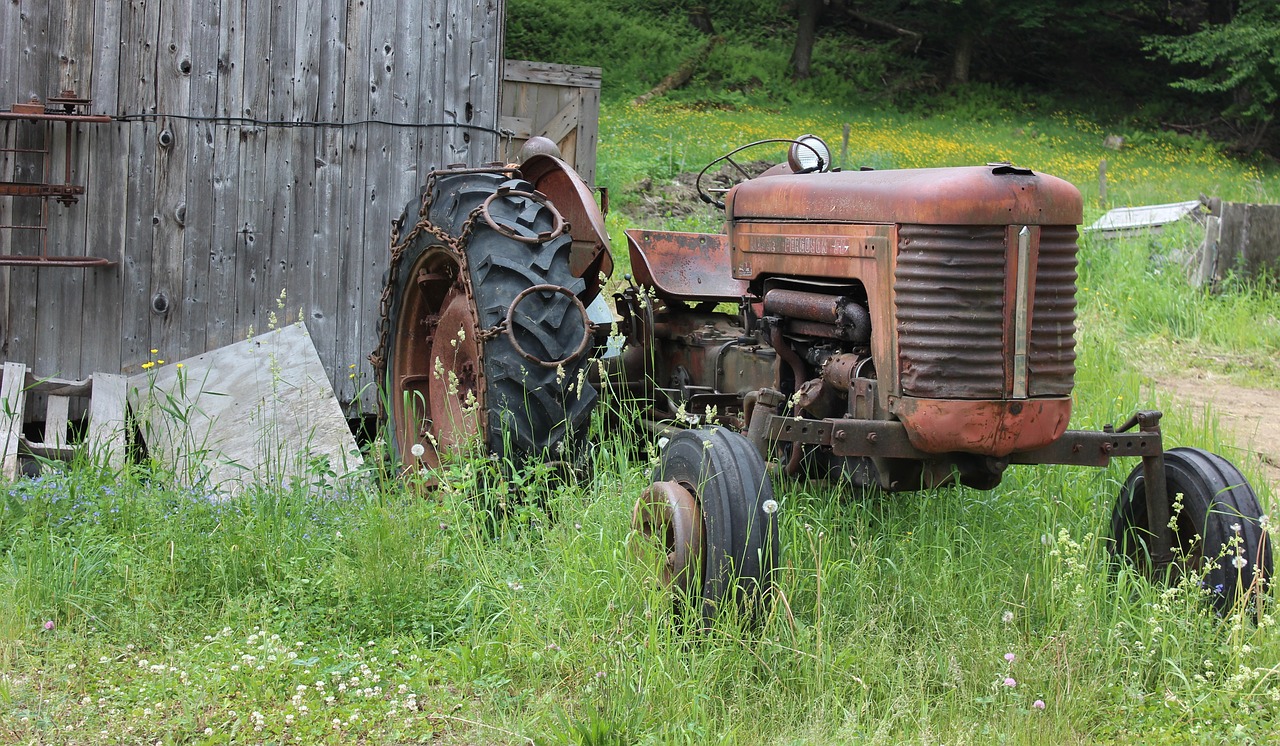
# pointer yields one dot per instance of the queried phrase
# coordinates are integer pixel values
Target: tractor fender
(590, 258)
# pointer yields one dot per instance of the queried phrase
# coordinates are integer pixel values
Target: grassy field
(511, 610)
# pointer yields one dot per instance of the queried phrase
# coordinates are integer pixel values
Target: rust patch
(684, 266)
(990, 428)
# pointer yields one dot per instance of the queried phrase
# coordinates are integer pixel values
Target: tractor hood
(995, 194)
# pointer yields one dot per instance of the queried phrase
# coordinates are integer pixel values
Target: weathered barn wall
(260, 152)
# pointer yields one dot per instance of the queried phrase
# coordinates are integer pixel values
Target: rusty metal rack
(70, 110)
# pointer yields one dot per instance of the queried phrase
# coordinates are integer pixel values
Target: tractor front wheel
(712, 514)
(1218, 529)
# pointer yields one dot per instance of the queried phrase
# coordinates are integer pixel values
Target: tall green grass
(510, 609)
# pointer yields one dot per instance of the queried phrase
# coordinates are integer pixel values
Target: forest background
(1208, 68)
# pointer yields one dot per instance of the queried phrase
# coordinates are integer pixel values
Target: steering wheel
(807, 154)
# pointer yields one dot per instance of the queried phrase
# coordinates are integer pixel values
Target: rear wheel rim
(436, 374)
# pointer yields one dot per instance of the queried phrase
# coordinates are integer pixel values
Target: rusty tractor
(897, 330)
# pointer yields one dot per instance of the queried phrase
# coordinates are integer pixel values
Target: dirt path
(1252, 416)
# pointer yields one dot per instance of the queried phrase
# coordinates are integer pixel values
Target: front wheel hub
(667, 515)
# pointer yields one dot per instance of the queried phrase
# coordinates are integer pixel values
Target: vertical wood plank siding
(280, 141)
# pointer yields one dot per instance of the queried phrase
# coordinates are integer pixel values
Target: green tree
(1240, 60)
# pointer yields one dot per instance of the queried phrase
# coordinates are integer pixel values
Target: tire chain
(454, 244)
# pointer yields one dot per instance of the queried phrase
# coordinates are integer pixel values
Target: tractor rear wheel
(1218, 533)
(489, 342)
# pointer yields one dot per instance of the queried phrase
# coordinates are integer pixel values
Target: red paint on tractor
(990, 428)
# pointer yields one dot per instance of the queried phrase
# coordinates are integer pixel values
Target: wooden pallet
(105, 440)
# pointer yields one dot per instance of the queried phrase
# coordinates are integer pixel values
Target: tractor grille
(1052, 365)
(950, 288)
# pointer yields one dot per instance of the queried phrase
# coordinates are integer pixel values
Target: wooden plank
(5, 275)
(327, 77)
(8, 139)
(548, 106)
(326, 196)
(61, 349)
(137, 94)
(576, 76)
(107, 426)
(322, 314)
(135, 267)
(10, 48)
(279, 284)
(104, 205)
(432, 59)
(137, 79)
(173, 149)
(385, 153)
(521, 127)
(35, 77)
(564, 122)
(460, 89)
(196, 214)
(60, 295)
(220, 316)
(76, 68)
(304, 103)
(75, 48)
(231, 58)
(260, 409)
(58, 386)
(487, 70)
(1249, 243)
(108, 18)
(75, 55)
(32, 42)
(105, 211)
(588, 134)
(55, 421)
(254, 218)
(12, 403)
(351, 321)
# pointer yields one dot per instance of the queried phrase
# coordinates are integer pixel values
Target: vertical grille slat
(1052, 366)
(957, 352)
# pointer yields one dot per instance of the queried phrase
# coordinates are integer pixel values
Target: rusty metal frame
(61, 108)
(1138, 437)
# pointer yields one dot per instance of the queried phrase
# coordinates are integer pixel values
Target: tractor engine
(941, 298)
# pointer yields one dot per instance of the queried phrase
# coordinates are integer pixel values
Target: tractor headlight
(809, 153)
